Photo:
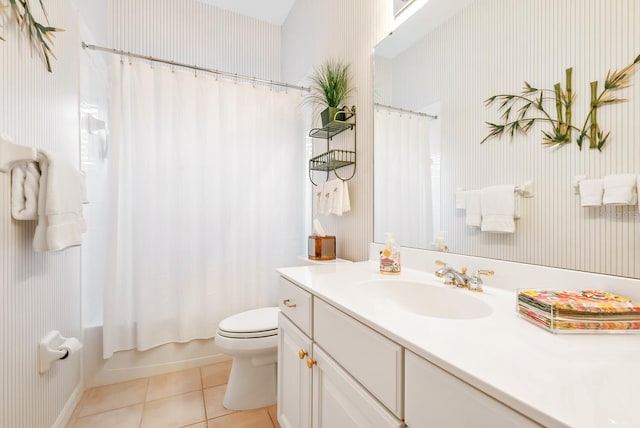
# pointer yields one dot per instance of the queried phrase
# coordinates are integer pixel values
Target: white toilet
(251, 338)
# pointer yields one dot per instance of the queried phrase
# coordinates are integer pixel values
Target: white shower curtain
(402, 164)
(207, 182)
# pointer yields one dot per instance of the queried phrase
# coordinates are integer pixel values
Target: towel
(591, 192)
(62, 193)
(339, 199)
(474, 214)
(346, 201)
(25, 185)
(320, 200)
(461, 198)
(498, 208)
(620, 189)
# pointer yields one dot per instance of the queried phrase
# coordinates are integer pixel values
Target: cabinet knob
(311, 363)
(302, 354)
(288, 304)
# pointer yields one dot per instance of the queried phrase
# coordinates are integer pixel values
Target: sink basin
(419, 298)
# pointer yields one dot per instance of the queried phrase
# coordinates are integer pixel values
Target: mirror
(445, 60)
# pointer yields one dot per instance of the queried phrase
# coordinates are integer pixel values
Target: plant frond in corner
(40, 36)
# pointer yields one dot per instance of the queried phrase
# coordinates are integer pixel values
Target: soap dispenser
(390, 256)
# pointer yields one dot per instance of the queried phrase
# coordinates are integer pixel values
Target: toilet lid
(253, 321)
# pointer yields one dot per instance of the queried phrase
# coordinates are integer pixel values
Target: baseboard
(67, 411)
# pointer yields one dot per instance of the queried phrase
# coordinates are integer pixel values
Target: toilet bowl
(251, 339)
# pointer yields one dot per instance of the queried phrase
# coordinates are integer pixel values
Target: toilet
(251, 339)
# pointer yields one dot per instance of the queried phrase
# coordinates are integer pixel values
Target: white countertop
(578, 380)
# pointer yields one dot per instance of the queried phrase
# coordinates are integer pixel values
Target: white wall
(492, 47)
(318, 30)
(39, 292)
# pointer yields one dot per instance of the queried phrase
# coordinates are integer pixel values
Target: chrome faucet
(452, 276)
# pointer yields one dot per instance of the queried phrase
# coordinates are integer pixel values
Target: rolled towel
(461, 199)
(591, 192)
(25, 186)
(620, 189)
(474, 214)
(498, 208)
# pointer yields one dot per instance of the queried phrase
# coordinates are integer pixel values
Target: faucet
(452, 276)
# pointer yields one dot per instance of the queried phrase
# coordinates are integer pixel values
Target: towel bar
(11, 153)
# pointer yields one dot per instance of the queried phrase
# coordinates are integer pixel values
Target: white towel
(346, 200)
(25, 185)
(461, 199)
(62, 193)
(591, 192)
(320, 199)
(498, 208)
(474, 213)
(339, 199)
(620, 189)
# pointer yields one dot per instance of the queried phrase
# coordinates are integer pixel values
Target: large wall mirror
(443, 62)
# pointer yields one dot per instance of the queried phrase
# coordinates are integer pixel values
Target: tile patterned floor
(189, 398)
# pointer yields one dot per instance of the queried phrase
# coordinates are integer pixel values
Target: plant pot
(330, 114)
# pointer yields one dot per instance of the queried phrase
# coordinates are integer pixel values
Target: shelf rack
(333, 159)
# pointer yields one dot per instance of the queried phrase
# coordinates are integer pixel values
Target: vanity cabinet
(294, 377)
(314, 390)
(435, 398)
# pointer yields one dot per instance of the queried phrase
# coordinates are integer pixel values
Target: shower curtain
(207, 187)
(403, 203)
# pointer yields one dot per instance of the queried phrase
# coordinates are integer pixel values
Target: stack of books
(579, 311)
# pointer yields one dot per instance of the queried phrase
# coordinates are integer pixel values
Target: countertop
(577, 380)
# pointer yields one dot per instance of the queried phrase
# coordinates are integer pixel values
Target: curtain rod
(193, 67)
(431, 116)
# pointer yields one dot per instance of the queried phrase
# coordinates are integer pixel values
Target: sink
(419, 298)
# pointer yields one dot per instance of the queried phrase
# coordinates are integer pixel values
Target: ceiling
(274, 11)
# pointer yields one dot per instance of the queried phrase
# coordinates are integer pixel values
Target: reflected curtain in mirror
(403, 177)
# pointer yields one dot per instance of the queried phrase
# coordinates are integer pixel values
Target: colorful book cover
(546, 320)
(578, 303)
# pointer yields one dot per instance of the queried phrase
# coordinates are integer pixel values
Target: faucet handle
(475, 282)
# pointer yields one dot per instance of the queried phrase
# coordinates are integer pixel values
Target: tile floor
(188, 398)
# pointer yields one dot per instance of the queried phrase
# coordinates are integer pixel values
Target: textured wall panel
(39, 292)
(491, 47)
(318, 30)
(196, 33)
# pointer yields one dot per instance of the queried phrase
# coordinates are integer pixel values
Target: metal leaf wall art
(521, 111)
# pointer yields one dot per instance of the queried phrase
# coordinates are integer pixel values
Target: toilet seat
(251, 324)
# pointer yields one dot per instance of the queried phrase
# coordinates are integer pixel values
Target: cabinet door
(340, 402)
(435, 398)
(294, 377)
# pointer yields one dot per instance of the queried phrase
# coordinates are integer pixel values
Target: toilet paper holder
(54, 347)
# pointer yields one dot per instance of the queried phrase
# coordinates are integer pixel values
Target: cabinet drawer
(435, 398)
(373, 360)
(295, 303)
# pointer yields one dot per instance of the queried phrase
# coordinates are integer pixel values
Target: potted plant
(330, 86)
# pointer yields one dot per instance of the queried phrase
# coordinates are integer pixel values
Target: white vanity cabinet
(313, 389)
(435, 398)
(294, 377)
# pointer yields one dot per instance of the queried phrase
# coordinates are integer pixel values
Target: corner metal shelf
(333, 159)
